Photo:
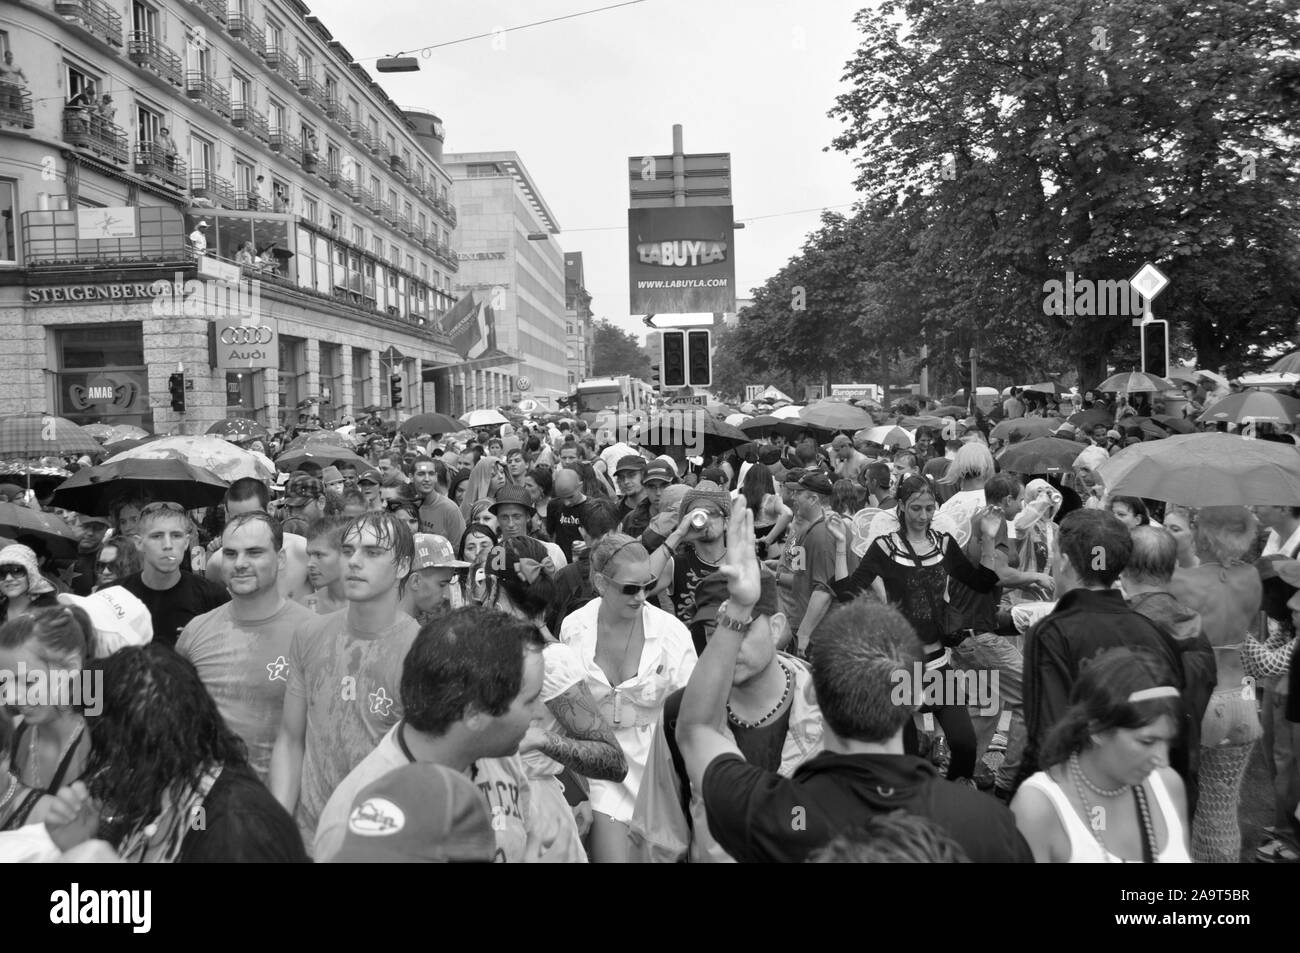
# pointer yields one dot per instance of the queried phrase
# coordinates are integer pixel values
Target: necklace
(1076, 772)
(741, 723)
(33, 758)
(10, 790)
(1078, 767)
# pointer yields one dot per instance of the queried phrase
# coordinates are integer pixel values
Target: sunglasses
(104, 566)
(632, 588)
(163, 507)
(9, 571)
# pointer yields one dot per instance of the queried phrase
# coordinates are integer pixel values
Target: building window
(80, 82)
(144, 19)
(424, 224)
(293, 365)
(373, 125)
(276, 117)
(377, 246)
(245, 187)
(331, 380)
(102, 375)
(200, 154)
(358, 236)
(8, 218)
(311, 208)
(394, 254)
(331, 88)
(392, 199)
(239, 90)
(408, 211)
(147, 124)
(197, 55)
(336, 222)
(360, 380)
(305, 64)
(332, 160)
(274, 35)
(392, 144)
(410, 264)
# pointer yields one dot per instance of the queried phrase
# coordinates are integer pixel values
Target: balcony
(313, 90)
(283, 63)
(247, 32)
(401, 223)
(213, 188)
(348, 188)
(145, 49)
(398, 165)
(332, 176)
(376, 145)
(86, 130)
(16, 106)
(216, 9)
(357, 131)
(361, 195)
(94, 16)
(207, 91)
(246, 200)
(51, 243)
(251, 121)
(374, 203)
(287, 145)
(151, 160)
(445, 209)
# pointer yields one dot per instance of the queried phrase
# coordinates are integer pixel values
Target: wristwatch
(736, 625)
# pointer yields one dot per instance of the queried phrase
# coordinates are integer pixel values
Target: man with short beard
(241, 649)
(93, 529)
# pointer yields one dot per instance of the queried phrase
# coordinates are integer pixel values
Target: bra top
(1084, 848)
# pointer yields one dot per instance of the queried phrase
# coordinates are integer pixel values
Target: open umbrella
(1089, 418)
(317, 437)
(122, 446)
(98, 431)
(1179, 373)
(768, 425)
(40, 435)
(1040, 455)
(1027, 427)
(431, 424)
(1135, 382)
(1206, 469)
(842, 417)
(889, 435)
(687, 428)
(57, 536)
(1287, 365)
(1257, 405)
(1174, 424)
(922, 420)
(239, 428)
(325, 454)
(119, 432)
(210, 452)
(1045, 388)
(483, 418)
(788, 412)
(94, 489)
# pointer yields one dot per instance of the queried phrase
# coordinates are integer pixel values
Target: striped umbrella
(42, 435)
(1135, 382)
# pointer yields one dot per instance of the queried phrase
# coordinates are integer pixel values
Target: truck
(622, 393)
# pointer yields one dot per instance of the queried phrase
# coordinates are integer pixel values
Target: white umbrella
(889, 434)
(483, 418)
(788, 412)
(736, 419)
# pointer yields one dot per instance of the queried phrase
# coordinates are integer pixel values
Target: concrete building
(509, 256)
(577, 320)
(169, 169)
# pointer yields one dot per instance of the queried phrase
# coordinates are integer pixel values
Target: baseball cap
(87, 520)
(632, 461)
(707, 496)
(515, 495)
(658, 472)
(435, 552)
(711, 593)
(419, 812)
(794, 475)
(817, 481)
(119, 617)
(368, 476)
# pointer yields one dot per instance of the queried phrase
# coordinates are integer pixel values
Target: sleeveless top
(1084, 848)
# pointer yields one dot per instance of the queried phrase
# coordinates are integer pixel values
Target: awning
(493, 358)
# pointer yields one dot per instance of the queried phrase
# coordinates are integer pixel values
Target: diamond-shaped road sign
(1149, 281)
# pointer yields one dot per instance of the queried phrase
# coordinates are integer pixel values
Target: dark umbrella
(239, 428)
(767, 425)
(1027, 427)
(690, 429)
(320, 452)
(1040, 455)
(56, 535)
(1259, 406)
(1175, 424)
(113, 449)
(431, 424)
(317, 438)
(94, 490)
(924, 420)
(1092, 416)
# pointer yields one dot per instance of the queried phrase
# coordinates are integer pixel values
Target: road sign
(393, 355)
(1149, 281)
(687, 400)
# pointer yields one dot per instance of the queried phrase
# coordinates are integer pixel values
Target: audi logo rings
(247, 335)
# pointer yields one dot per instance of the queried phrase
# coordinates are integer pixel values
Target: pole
(973, 376)
(925, 370)
(679, 168)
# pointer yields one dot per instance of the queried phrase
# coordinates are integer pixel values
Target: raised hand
(744, 575)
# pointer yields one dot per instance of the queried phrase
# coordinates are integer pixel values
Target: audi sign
(244, 344)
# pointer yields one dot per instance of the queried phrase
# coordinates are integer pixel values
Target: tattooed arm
(583, 741)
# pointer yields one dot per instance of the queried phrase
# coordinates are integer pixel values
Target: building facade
(577, 317)
(169, 169)
(508, 254)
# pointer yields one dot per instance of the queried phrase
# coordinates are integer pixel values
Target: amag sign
(681, 260)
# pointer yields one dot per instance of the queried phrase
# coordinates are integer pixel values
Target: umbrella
(923, 420)
(40, 435)
(1135, 382)
(325, 454)
(737, 419)
(1257, 405)
(121, 446)
(94, 489)
(483, 418)
(58, 537)
(768, 425)
(209, 452)
(889, 435)
(40, 479)
(316, 438)
(1089, 418)
(1174, 424)
(1145, 425)
(1271, 379)
(431, 424)
(837, 417)
(1040, 455)
(1206, 469)
(1287, 365)
(678, 429)
(788, 412)
(239, 428)
(951, 410)
(1027, 427)
(1178, 373)
(1045, 388)
(98, 431)
(119, 432)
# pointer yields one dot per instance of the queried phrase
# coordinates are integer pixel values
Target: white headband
(1147, 694)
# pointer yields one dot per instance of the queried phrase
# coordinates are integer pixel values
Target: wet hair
(906, 458)
(60, 635)
(1154, 557)
(159, 730)
(1097, 544)
(756, 485)
(470, 530)
(876, 474)
(246, 488)
(592, 488)
(847, 497)
(1225, 533)
(973, 461)
(911, 486)
(859, 648)
(1135, 506)
(1099, 701)
(894, 838)
(330, 527)
(389, 531)
(542, 476)
(1001, 487)
(531, 598)
(600, 517)
(121, 503)
(468, 658)
(259, 516)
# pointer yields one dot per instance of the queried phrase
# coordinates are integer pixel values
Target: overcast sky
(575, 98)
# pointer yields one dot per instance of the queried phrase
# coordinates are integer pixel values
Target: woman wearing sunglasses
(116, 560)
(634, 655)
(23, 588)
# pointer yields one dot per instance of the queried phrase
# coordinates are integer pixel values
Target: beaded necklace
(741, 723)
(1081, 781)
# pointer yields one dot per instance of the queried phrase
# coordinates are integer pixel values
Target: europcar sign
(244, 343)
(681, 260)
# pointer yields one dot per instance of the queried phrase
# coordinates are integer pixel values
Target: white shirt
(1274, 546)
(633, 707)
(961, 508)
(562, 669)
(199, 241)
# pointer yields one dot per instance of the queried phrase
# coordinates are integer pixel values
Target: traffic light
(656, 377)
(395, 389)
(699, 362)
(1155, 348)
(176, 387)
(674, 366)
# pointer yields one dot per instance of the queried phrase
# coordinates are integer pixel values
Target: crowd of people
(550, 645)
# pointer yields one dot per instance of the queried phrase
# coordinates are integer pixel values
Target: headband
(1147, 694)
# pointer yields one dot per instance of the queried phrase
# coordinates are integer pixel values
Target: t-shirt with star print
(245, 667)
(351, 683)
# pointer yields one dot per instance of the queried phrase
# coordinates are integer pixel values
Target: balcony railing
(376, 145)
(332, 176)
(51, 243)
(150, 159)
(348, 188)
(361, 195)
(313, 90)
(445, 209)
(84, 129)
(210, 186)
(246, 200)
(374, 203)
(16, 106)
(204, 89)
(213, 8)
(148, 51)
(356, 130)
(398, 166)
(247, 32)
(283, 63)
(94, 16)
(247, 118)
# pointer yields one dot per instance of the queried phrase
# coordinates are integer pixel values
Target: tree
(616, 352)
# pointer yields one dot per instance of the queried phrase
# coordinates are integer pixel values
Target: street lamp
(397, 64)
(538, 236)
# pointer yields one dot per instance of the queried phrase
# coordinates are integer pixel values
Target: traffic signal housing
(699, 360)
(176, 387)
(674, 365)
(1155, 348)
(395, 389)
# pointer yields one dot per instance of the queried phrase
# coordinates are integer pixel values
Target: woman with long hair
(51, 745)
(1106, 793)
(758, 490)
(484, 481)
(114, 562)
(1226, 590)
(914, 564)
(22, 587)
(1130, 510)
(173, 780)
(540, 485)
(476, 545)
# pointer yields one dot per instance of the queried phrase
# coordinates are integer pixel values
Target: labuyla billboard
(681, 260)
